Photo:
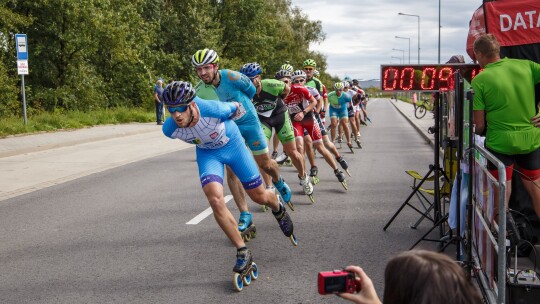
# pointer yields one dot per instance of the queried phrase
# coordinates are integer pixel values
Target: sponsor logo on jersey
(214, 135)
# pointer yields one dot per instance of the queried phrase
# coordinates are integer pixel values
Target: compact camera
(337, 281)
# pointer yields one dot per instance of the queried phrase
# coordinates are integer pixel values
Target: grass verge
(48, 122)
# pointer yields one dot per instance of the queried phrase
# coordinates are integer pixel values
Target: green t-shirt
(206, 91)
(505, 91)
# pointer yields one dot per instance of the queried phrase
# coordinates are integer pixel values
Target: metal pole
(418, 39)
(23, 99)
(417, 16)
(439, 47)
(409, 40)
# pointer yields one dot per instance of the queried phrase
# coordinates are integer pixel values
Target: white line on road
(205, 213)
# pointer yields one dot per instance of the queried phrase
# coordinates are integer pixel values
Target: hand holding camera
(337, 281)
(351, 284)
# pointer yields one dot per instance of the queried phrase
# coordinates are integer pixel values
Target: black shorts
(528, 164)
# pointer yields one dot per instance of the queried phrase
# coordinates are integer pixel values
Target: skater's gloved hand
(367, 294)
(322, 114)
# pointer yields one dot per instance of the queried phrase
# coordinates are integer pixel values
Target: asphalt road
(120, 235)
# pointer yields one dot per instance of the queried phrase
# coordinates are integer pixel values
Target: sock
(241, 248)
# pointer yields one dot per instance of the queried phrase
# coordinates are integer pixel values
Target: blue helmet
(251, 69)
(178, 93)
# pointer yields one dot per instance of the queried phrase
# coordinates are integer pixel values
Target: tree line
(98, 54)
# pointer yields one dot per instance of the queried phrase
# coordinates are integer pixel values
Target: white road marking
(205, 213)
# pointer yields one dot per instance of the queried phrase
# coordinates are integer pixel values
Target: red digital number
(475, 72)
(390, 79)
(446, 79)
(406, 81)
(431, 74)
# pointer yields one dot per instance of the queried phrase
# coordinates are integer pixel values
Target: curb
(415, 125)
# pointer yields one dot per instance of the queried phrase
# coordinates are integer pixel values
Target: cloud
(360, 35)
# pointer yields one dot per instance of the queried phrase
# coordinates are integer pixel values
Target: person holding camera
(416, 276)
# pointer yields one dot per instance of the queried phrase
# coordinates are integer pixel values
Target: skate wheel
(253, 234)
(238, 282)
(247, 237)
(311, 199)
(349, 173)
(293, 239)
(254, 271)
(264, 208)
(291, 205)
(247, 279)
(314, 180)
(344, 184)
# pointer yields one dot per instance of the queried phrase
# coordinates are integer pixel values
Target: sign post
(22, 65)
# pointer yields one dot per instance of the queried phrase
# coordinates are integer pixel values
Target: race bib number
(293, 109)
(240, 112)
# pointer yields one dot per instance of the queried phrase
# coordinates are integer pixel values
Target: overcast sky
(360, 34)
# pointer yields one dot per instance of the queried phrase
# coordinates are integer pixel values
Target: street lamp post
(394, 57)
(409, 46)
(402, 14)
(439, 46)
(403, 53)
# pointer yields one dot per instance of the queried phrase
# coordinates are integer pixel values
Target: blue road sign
(22, 46)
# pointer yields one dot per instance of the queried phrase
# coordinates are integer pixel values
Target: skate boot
(358, 143)
(246, 227)
(284, 191)
(274, 155)
(245, 269)
(343, 164)
(313, 174)
(341, 178)
(308, 187)
(282, 158)
(350, 147)
(285, 223)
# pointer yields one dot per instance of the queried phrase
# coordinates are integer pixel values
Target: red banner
(514, 22)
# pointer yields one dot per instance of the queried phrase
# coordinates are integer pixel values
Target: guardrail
(488, 250)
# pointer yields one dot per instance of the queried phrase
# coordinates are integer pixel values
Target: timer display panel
(422, 77)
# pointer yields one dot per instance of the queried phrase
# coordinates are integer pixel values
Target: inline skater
(339, 103)
(233, 86)
(350, 113)
(309, 68)
(283, 158)
(208, 125)
(273, 114)
(301, 103)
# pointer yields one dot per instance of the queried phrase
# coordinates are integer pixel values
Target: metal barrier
(488, 250)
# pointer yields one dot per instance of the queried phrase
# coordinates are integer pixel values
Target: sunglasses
(299, 80)
(286, 81)
(179, 109)
(309, 69)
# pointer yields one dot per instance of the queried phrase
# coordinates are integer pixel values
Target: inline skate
(285, 223)
(246, 227)
(313, 175)
(341, 178)
(344, 164)
(284, 191)
(307, 186)
(245, 269)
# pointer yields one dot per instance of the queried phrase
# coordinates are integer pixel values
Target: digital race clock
(422, 77)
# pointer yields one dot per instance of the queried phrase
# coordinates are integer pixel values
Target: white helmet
(298, 74)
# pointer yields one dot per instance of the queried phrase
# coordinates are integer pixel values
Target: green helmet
(202, 57)
(310, 62)
(287, 67)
